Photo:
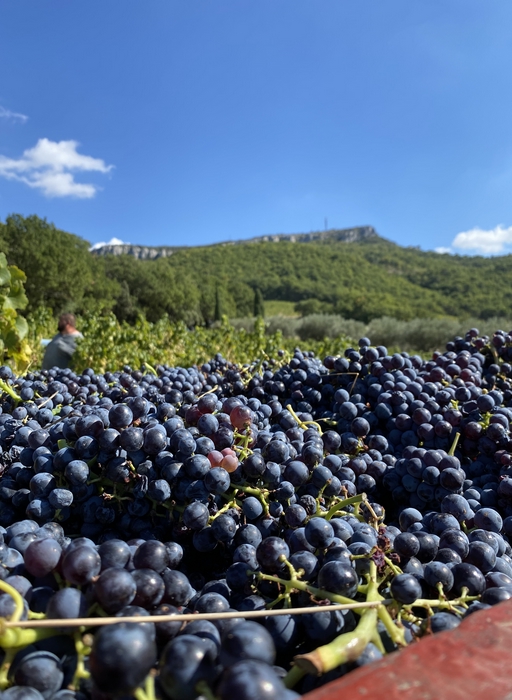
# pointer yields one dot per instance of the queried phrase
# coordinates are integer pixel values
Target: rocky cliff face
(346, 235)
(138, 251)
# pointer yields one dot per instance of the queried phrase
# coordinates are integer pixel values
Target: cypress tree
(259, 304)
(217, 316)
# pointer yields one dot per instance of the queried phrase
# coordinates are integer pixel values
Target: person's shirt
(60, 349)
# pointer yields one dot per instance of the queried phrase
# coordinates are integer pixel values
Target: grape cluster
(292, 483)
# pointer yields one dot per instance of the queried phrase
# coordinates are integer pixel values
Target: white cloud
(442, 250)
(478, 240)
(14, 116)
(112, 241)
(49, 167)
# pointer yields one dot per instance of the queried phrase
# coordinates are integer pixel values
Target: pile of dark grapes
(292, 483)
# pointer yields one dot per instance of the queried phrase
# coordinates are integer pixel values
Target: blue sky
(190, 122)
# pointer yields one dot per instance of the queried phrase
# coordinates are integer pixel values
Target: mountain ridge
(370, 278)
(347, 235)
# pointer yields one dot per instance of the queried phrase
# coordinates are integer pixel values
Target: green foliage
(61, 273)
(126, 307)
(426, 335)
(320, 326)
(418, 335)
(279, 307)
(41, 326)
(365, 280)
(316, 327)
(142, 311)
(217, 316)
(312, 306)
(109, 344)
(259, 304)
(153, 288)
(362, 281)
(14, 346)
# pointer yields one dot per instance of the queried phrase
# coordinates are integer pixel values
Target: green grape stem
(243, 447)
(7, 389)
(377, 640)
(455, 442)
(396, 570)
(82, 650)
(148, 692)
(4, 669)
(346, 647)
(204, 690)
(230, 504)
(298, 585)
(18, 600)
(353, 500)
(293, 676)
(257, 493)
(350, 645)
(443, 604)
(303, 424)
(14, 637)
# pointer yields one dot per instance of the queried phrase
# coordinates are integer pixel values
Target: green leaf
(21, 326)
(17, 274)
(11, 340)
(5, 275)
(17, 299)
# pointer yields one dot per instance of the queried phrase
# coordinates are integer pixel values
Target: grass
(275, 307)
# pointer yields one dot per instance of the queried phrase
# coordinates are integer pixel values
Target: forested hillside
(362, 280)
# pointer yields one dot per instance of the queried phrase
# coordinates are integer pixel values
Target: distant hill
(346, 235)
(351, 272)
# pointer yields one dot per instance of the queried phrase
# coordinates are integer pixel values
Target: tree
(217, 316)
(312, 306)
(154, 288)
(259, 304)
(125, 307)
(58, 265)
